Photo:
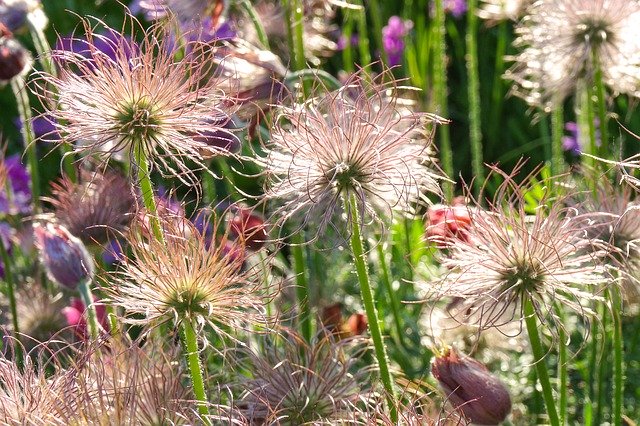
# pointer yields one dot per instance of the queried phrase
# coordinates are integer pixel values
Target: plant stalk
(195, 368)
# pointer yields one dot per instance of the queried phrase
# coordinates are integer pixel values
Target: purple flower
(455, 7)
(19, 186)
(342, 41)
(393, 35)
(109, 43)
(574, 142)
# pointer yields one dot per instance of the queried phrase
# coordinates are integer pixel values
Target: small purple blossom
(18, 200)
(342, 41)
(393, 35)
(574, 142)
(456, 8)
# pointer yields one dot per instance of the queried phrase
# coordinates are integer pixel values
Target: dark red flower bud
(357, 324)
(14, 58)
(471, 388)
(249, 228)
(447, 222)
(64, 256)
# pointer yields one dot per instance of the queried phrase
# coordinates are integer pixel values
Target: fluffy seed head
(188, 277)
(298, 383)
(509, 255)
(500, 10)
(96, 208)
(142, 99)
(357, 140)
(563, 41)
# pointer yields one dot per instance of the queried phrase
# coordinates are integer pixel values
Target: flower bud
(249, 227)
(74, 316)
(64, 256)
(448, 222)
(471, 388)
(14, 59)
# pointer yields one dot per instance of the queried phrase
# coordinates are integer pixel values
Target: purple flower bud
(393, 35)
(471, 388)
(14, 59)
(19, 185)
(64, 256)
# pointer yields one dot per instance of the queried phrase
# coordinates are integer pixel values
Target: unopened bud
(64, 256)
(249, 227)
(14, 59)
(471, 388)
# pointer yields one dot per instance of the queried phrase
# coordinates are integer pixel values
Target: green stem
(497, 92)
(618, 372)
(195, 368)
(255, 20)
(376, 20)
(146, 187)
(347, 32)
(302, 286)
(294, 14)
(602, 105)
(589, 116)
(44, 57)
(562, 366)
(440, 89)
(600, 364)
(557, 129)
(359, 258)
(314, 74)
(87, 298)
(363, 35)
(9, 279)
(19, 87)
(475, 130)
(393, 296)
(538, 354)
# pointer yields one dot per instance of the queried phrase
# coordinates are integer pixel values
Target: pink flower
(74, 314)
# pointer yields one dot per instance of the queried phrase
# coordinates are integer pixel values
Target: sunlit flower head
(501, 10)
(510, 256)
(143, 101)
(186, 278)
(296, 383)
(132, 385)
(359, 140)
(95, 209)
(565, 42)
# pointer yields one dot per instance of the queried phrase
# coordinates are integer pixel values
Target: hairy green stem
(376, 20)
(475, 130)
(393, 296)
(600, 364)
(557, 129)
(562, 366)
(538, 354)
(347, 32)
(146, 188)
(257, 25)
(496, 89)
(363, 35)
(302, 286)
(9, 280)
(589, 116)
(19, 87)
(618, 366)
(440, 92)
(602, 105)
(294, 14)
(84, 288)
(359, 258)
(192, 355)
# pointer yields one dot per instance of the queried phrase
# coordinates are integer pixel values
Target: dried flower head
(132, 385)
(64, 256)
(359, 140)
(300, 383)
(510, 256)
(471, 388)
(495, 11)
(94, 209)
(188, 277)
(566, 41)
(142, 102)
(30, 396)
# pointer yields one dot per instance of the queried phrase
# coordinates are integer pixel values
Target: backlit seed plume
(508, 256)
(298, 383)
(562, 40)
(188, 277)
(358, 140)
(142, 99)
(29, 395)
(495, 11)
(95, 209)
(132, 385)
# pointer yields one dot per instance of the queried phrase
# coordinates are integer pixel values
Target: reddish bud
(471, 388)
(64, 256)
(74, 314)
(447, 222)
(249, 228)
(14, 58)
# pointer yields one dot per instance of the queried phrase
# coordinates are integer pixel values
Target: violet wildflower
(358, 141)
(143, 102)
(64, 256)
(456, 8)
(575, 142)
(15, 194)
(565, 42)
(471, 388)
(393, 35)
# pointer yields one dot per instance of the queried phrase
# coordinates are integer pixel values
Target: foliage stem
(473, 87)
(195, 368)
(302, 286)
(146, 188)
(84, 288)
